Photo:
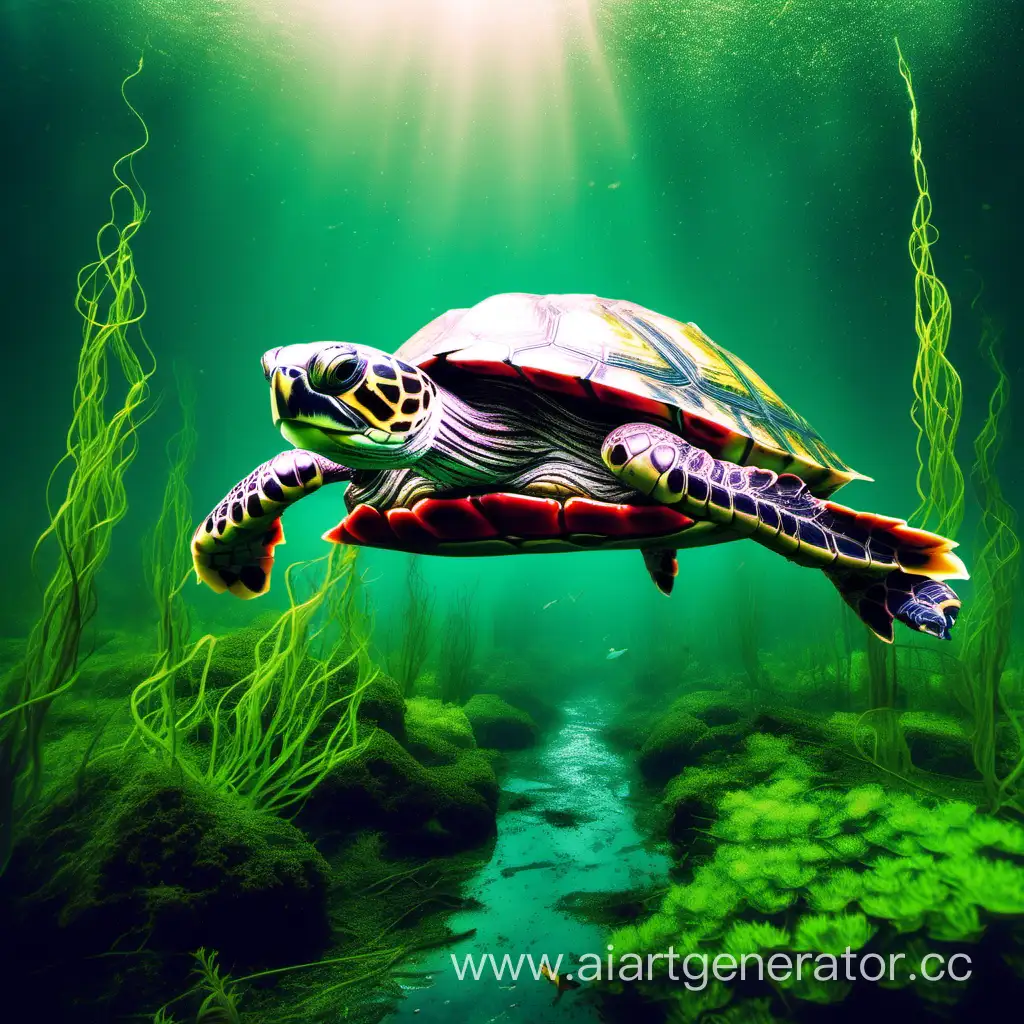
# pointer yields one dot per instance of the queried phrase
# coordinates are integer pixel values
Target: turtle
(551, 423)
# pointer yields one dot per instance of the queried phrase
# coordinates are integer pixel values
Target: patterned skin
(565, 423)
(884, 569)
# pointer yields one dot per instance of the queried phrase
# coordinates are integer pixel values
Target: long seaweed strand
(272, 736)
(100, 448)
(938, 392)
(166, 561)
(988, 623)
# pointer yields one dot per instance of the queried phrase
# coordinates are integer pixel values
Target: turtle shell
(619, 353)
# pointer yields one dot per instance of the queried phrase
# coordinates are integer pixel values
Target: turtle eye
(335, 371)
(268, 362)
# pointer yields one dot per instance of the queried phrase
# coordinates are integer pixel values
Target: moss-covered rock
(115, 669)
(436, 731)
(137, 857)
(383, 705)
(512, 681)
(234, 653)
(499, 725)
(695, 724)
(668, 748)
(421, 809)
(937, 743)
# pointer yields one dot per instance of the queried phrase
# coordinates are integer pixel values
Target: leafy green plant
(847, 868)
(220, 1002)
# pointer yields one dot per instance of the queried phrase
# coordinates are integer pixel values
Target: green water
(348, 170)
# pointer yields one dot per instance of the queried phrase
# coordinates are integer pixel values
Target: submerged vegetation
(101, 445)
(157, 831)
(266, 823)
(988, 624)
(801, 866)
(458, 647)
(264, 744)
(938, 392)
(410, 648)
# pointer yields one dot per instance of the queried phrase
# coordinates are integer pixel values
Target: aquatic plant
(861, 868)
(832, 933)
(405, 660)
(888, 747)
(166, 562)
(938, 392)
(458, 648)
(101, 445)
(988, 623)
(278, 731)
(220, 1004)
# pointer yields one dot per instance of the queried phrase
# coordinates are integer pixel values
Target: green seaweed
(101, 446)
(406, 658)
(987, 626)
(166, 562)
(220, 1003)
(938, 392)
(458, 649)
(265, 746)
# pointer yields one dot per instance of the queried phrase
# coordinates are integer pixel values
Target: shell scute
(630, 357)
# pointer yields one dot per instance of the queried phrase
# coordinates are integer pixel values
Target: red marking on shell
(488, 367)
(454, 519)
(337, 535)
(597, 517)
(520, 516)
(367, 526)
(698, 428)
(585, 516)
(411, 533)
(652, 520)
(548, 380)
(630, 400)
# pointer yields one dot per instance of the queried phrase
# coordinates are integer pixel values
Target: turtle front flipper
(233, 549)
(860, 551)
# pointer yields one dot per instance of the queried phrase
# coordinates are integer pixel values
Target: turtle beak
(282, 386)
(294, 405)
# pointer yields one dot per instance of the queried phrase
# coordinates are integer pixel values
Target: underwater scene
(317, 312)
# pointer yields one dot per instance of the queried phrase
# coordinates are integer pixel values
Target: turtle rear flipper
(920, 602)
(233, 549)
(884, 568)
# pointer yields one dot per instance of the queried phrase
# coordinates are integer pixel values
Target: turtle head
(352, 403)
